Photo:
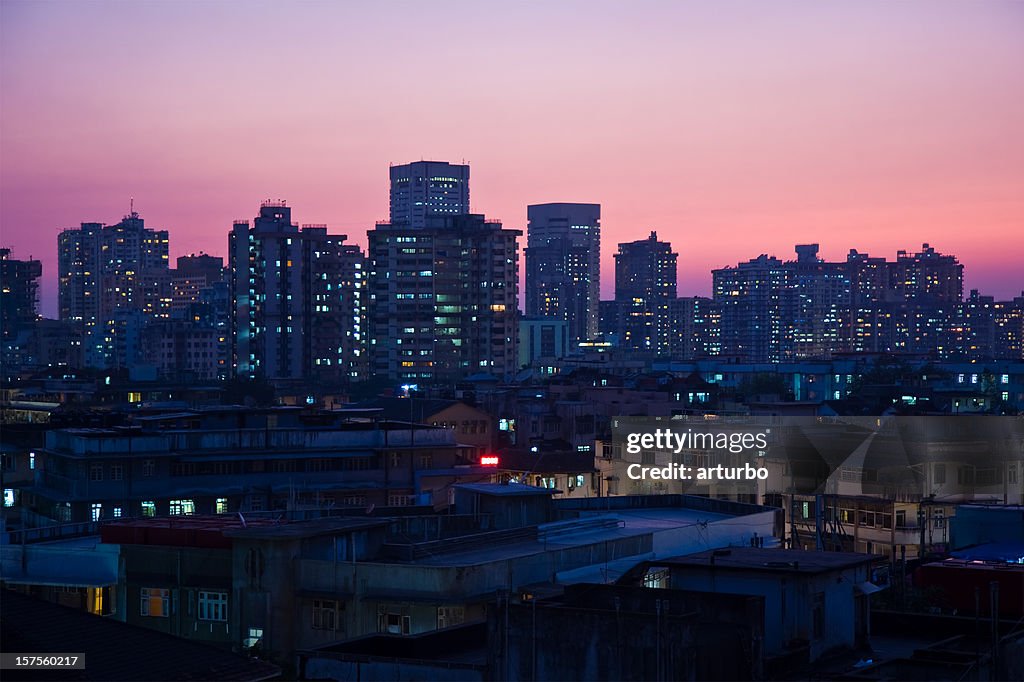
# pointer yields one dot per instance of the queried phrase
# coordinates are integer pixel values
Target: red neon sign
(489, 461)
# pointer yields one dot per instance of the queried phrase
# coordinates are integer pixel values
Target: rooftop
(304, 529)
(769, 560)
(977, 564)
(588, 530)
(216, 531)
(503, 489)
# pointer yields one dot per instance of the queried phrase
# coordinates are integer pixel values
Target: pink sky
(731, 128)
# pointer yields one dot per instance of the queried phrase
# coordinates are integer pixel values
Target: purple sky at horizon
(732, 128)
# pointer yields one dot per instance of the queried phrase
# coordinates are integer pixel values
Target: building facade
(807, 308)
(19, 294)
(107, 272)
(428, 188)
(696, 329)
(645, 286)
(563, 266)
(236, 459)
(293, 299)
(443, 299)
(193, 274)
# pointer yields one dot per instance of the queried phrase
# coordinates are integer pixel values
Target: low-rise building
(264, 582)
(220, 460)
(814, 602)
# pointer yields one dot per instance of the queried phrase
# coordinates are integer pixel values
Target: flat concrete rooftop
(769, 560)
(619, 524)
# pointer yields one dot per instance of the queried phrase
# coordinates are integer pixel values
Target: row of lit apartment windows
(1003, 378)
(179, 507)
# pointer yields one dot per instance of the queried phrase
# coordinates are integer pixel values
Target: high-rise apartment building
(354, 298)
(870, 293)
(289, 300)
(107, 273)
(817, 306)
(1009, 329)
(193, 274)
(696, 329)
(19, 293)
(609, 320)
(989, 329)
(645, 286)
(909, 305)
(443, 299)
(808, 308)
(563, 266)
(927, 276)
(428, 188)
(751, 297)
(335, 313)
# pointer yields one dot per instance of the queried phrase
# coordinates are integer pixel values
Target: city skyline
(1013, 286)
(438, 302)
(492, 341)
(732, 129)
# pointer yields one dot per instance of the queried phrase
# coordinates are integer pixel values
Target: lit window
(148, 508)
(255, 635)
(155, 602)
(182, 508)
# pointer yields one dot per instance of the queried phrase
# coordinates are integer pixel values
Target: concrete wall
(789, 602)
(614, 632)
(364, 585)
(185, 571)
(564, 644)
